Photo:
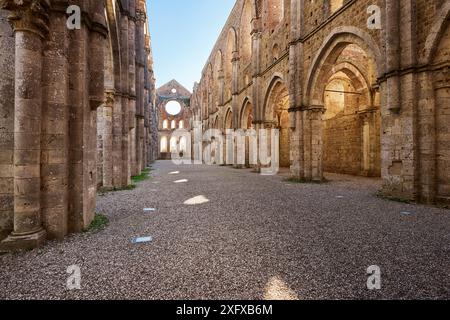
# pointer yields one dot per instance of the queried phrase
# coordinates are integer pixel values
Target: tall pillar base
(16, 243)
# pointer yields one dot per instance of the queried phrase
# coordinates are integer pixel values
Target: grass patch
(303, 181)
(100, 222)
(145, 175)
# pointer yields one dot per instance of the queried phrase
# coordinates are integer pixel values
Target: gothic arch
(277, 80)
(245, 29)
(359, 80)
(112, 19)
(230, 50)
(246, 113)
(228, 119)
(331, 49)
(436, 34)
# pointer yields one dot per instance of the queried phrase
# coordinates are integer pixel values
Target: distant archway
(276, 116)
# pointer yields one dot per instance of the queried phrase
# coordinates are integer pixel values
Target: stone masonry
(355, 86)
(77, 112)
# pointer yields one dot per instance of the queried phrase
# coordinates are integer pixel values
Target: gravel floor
(257, 237)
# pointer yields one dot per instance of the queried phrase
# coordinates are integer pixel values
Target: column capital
(141, 16)
(110, 97)
(28, 15)
(316, 109)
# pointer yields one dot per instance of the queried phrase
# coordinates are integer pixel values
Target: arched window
(166, 124)
(173, 145)
(245, 34)
(174, 124)
(181, 124)
(163, 144)
(183, 144)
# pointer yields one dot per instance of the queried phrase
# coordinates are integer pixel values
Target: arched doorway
(345, 87)
(247, 125)
(277, 117)
(228, 145)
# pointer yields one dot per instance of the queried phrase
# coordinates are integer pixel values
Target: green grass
(145, 175)
(303, 181)
(100, 222)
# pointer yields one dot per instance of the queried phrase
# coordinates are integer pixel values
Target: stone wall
(396, 129)
(59, 112)
(6, 126)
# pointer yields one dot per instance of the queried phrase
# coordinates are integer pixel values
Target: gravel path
(257, 237)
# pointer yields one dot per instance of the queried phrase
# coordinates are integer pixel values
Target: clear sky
(183, 35)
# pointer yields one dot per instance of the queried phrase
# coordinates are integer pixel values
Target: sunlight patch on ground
(277, 289)
(196, 200)
(174, 172)
(181, 181)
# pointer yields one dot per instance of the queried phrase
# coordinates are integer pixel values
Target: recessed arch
(331, 49)
(231, 49)
(112, 19)
(163, 144)
(246, 115)
(245, 43)
(436, 33)
(228, 119)
(276, 83)
(276, 116)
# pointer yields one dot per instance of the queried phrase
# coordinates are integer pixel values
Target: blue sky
(183, 35)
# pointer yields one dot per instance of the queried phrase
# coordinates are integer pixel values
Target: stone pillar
(296, 89)
(55, 129)
(391, 33)
(30, 24)
(313, 144)
(125, 52)
(117, 137)
(6, 126)
(108, 153)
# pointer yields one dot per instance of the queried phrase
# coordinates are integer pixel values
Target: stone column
(125, 100)
(315, 118)
(296, 89)
(117, 135)
(108, 153)
(392, 39)
(55, 130)
(6, 126)
(30, 23)
(221, 79)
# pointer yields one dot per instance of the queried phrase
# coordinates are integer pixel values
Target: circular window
(173, 108)
(174, 90)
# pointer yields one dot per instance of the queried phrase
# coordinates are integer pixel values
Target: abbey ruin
(355, 87)
(77, 112)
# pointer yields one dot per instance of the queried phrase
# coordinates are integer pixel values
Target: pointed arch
(331, 49)
(277, 82)
(436, 34)
(112, 19)
(245, 29)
